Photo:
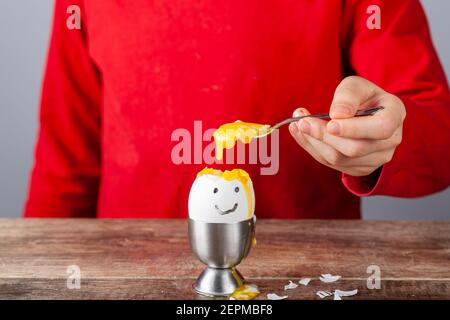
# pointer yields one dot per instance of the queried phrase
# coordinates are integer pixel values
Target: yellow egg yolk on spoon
(228, 134)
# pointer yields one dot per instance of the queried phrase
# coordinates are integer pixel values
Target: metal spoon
(359, 113)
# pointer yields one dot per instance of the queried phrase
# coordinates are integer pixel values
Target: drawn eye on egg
(215, 190)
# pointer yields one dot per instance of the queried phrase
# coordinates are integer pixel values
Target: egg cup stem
(216, 282)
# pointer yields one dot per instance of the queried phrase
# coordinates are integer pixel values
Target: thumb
(351, 94)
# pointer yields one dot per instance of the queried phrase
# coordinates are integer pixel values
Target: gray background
(24, 28)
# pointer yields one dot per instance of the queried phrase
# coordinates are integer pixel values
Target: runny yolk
(245, 292)
(228, 134)
(236, 174)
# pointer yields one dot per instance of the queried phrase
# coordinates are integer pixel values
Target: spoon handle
(359, 113)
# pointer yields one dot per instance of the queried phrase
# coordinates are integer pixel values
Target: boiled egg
(221, 196)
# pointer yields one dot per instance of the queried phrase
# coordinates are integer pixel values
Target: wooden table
(151, 259)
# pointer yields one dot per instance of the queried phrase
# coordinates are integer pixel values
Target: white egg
(214, 199)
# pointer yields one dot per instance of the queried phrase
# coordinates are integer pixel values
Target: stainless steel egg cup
(221, 247)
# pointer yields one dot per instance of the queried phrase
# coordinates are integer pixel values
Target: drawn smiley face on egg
(221, 197)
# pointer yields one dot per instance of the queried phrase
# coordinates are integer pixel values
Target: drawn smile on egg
(222, 212)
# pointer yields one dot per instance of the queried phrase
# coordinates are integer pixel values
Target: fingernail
(298, 113)
(334, 127)
(305, 127)
(341, 110)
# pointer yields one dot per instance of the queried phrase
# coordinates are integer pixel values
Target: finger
(300, 112)
(313, 127)
(330, 156)
(352, 94)
(355, 148)
(336, 159)
(349, 147)
(333, 158)
(375, 159)
(381, 125)
(315, 134)
(301, 140)
(300, 125)
(317, 149)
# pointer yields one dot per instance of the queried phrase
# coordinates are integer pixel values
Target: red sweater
(115, 91)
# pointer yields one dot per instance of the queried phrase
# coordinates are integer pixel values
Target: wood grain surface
(151, 259)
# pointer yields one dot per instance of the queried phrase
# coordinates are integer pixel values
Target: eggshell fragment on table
(328, 278)
(304, 281)
(291, 285)
(342, 293)
(274, 296)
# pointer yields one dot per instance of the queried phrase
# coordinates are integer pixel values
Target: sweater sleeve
(65, 178)
(401, 59)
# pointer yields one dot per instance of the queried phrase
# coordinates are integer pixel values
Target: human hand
(353, 145)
